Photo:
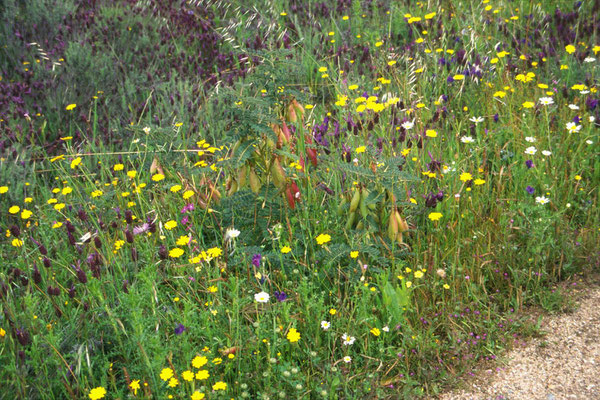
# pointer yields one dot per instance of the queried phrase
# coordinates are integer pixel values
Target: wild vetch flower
(530, 190)
(529, 163)
(256, 260)
(179, 329)
(280, 296)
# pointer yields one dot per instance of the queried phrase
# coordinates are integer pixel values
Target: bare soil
(562, 364)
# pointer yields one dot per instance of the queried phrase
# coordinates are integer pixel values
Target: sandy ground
(563, 364)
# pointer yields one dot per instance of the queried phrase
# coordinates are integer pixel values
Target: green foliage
(336, 164)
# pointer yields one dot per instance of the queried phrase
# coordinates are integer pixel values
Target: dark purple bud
(256, 260)
(496, 117)
(23, 337)
(125, 288)
(82, 215)
(97, 242)
(47, 263)
(128, 216)
(530, 190)
(134, 254)
(42, 249)
(37, 277)
(81, 276)
(71, 238)
(129, 236)
(15, 231)
(70, 227)
(326, 188)
(71, 292)
(162, 252)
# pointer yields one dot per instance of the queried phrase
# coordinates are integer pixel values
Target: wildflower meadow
(304, 199)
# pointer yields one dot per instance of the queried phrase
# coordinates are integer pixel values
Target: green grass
(126, 271)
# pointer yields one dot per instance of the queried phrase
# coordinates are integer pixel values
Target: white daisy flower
(467, 139)
(347, 359)
(408, 125)
(325, 325)
(542, 200)
(231, 233)
(530, 139)
(573, 107)
(589, 59)
(262, 297)
(546, 101)
(546, 153)
(347, 339)
(572, 127)
(530, 150)
(476, 120)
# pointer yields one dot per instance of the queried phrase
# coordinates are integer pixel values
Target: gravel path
(563, 364)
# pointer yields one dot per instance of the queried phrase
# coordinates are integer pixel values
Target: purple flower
(280, 296)
(529, 163)
(256, 260)
(187, 207)
(530, 190)
(141, 228)
(179, 329)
